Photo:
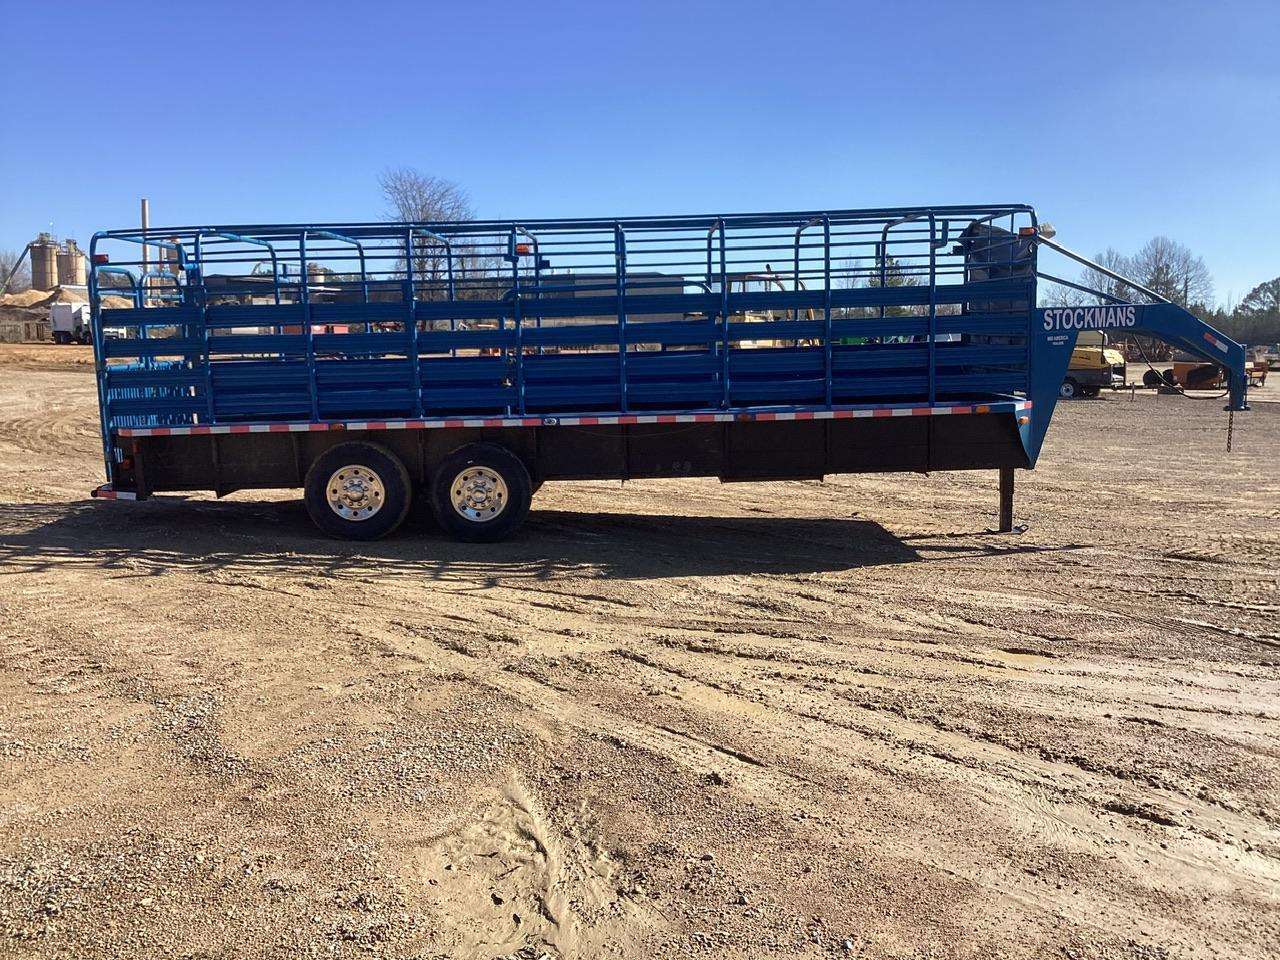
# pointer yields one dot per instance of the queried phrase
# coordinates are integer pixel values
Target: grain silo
(71, 265)
(44, 262)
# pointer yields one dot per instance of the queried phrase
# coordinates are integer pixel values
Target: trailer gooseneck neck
(739, 346)
(1167, 321)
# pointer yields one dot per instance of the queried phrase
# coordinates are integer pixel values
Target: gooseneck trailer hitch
(1163, 320)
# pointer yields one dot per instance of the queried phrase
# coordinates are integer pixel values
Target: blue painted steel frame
(904, 319)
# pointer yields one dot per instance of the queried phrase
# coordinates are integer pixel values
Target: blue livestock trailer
(467, 363)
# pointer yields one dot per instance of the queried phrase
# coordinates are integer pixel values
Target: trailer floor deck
(681, 718)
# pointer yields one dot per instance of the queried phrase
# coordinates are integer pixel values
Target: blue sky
(1117, 120)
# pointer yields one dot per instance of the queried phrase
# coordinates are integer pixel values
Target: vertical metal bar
(724, 309)
(795, 275)
(517, 310)
(146, 253)
(99, 357)
(829, 373)
(202, 302)
(304, 294)
(620, 261)
(1006, 500)
(933, 312)
(882, 252)
(415, 363)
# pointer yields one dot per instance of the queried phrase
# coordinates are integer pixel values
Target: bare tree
(416, 197)
(1116, 262)
(1173, 271)
(21, 279)
(478, 267)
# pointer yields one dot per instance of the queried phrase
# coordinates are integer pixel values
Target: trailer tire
(481, 492)
(1069, 389)
(358, 491)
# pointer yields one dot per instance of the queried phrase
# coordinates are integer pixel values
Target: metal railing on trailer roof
(633, 284)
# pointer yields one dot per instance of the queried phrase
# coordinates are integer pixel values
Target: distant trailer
(468, 363)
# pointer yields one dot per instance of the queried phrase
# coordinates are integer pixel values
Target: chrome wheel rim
(355, 492)
(479, 494)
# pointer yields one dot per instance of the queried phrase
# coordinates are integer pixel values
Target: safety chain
(1231, 419)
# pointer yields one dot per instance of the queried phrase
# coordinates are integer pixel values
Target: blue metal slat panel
(258, 344)
(254, 315)
(955, 354)
(570, 367)
(578, 395)
(437, 311)
(878, 357)
(439, 341)
(434, 370)
(150, 316)
(852, 329)
(775, 329)
(252, 407)
(467, 398)
(373, 373)
(384, 342)
(672, 393)
(158, 406)
(906, 386)
(765, 361)
(389, 403)
(571, 335)
(987, 382)
(265, 371)
(689, 363)
(149, 347)
(765, 391)
(325, 314)
(676, 333)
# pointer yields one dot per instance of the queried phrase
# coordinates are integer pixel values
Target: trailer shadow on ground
(265, 537)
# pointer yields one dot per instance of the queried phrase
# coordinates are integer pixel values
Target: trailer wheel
(358, 491)
(1069, 389)
(481, 492)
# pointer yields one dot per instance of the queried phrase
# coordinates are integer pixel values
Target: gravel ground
(670, 718)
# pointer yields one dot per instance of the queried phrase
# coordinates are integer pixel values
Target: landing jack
(1006, 500)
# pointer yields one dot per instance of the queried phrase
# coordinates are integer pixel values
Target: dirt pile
(27, 298)
(35, 299)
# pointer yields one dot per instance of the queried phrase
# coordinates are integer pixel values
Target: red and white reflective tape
(105, 492)
(442, 423)
(1220, 344)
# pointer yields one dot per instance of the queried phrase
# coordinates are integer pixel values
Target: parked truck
(467, 363)
(70, 322)
(1094, 366)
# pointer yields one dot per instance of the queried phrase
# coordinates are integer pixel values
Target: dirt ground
(670, 718)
